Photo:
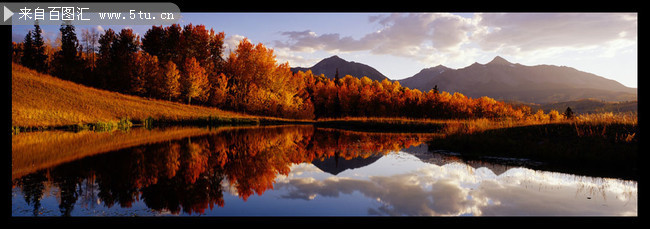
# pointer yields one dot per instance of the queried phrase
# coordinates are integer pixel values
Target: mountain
(335, 165)
(503, 80)
(328, 67)
(423, 77)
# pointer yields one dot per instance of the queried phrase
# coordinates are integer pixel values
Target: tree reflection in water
(189, 174)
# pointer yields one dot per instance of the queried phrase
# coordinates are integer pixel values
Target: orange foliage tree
(260, 85)
(169, 86)
(193, 81)
(367, 98)
(188, 62)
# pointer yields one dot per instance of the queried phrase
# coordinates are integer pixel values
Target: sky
(399, 45)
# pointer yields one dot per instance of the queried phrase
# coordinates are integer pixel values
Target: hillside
(40, 100)
(328, 67)
(503, 80)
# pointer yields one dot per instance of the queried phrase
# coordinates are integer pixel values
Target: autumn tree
(215, 47)
(218, 94)
(90, 37)
(169, 86)
(16, 51)
(193, 81)
(146, 75)
(195, 42)
(260, 85)
(554, 115)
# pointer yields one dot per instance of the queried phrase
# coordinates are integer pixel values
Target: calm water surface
(286, 171)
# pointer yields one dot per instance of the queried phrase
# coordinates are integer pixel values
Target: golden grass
(440, 126)
(609, 117)
(468, 126)
(40, 100)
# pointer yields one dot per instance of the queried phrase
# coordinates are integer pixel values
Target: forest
(188, 64)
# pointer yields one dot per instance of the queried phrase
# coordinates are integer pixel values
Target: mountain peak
(499, 60)
(334, 58)
(330, 65)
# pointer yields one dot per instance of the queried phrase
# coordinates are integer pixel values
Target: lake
(289, 170)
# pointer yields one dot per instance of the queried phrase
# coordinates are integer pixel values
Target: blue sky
(400, 45)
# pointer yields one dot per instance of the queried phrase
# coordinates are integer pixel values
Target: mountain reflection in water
(294, 170)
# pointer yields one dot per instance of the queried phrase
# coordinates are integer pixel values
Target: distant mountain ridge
(499, 79)
(329, 66)
(424, 76)
(503, 80)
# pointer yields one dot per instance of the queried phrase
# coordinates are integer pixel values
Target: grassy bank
(441, 126)
(596, 148)
(41, 101)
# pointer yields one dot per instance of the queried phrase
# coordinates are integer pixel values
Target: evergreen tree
(104, 68)
(123, 60)
(568, 113)
(337, 100)
(172, 45)
(153, 41)
(68, 62)
(27, 59)
(40, 58)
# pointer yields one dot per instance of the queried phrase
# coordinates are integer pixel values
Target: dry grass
(441, 126)
(40, 100)
(631, 118)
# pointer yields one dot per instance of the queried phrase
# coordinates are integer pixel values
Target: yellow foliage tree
(260, 85)
(169, 86)
(194, 81)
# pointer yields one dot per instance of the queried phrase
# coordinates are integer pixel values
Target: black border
(343, 6)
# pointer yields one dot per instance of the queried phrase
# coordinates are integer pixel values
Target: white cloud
(100, 29)
(528, 32)
(409, 35)
(434, 37)
(283, 55)
(230, 43)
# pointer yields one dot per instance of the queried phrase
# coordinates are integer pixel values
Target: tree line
(188, 64)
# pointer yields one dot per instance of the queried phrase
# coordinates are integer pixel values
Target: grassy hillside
(40, 100)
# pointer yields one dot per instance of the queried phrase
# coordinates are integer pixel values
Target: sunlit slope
(40, 100)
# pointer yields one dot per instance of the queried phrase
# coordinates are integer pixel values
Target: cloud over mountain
(442, 38)
(534, 31)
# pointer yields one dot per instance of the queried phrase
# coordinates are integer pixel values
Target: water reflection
(458, 189)
(290, 170)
